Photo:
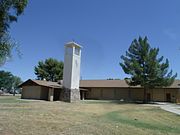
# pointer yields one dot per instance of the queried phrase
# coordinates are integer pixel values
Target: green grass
(140, 123)
(11, 99)
(19, 117)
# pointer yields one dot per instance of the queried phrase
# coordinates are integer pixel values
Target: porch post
(82, 95)
(51, 94)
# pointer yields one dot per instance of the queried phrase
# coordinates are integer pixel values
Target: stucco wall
(35, 92)
(31, 92)
(76, 62)
(133, 94)
(108, 93)
(39, 92)
(67, 70)
(44, 93)
(95, 93)
(158, 94)
(71, 71)
(136, 94)
(121, 93)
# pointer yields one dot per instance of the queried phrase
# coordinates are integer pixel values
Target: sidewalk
(173, 108)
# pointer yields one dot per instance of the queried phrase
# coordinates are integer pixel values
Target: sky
(105, 29)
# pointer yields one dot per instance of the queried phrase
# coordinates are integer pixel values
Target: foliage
(9, 12)
(9, 82)
(113, 79)
(16, 82)
(6, 45)
(50, 69)
(6, 79)
(144, 66)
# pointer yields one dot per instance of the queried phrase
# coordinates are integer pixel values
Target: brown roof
(41, 83)
(103, 83)
(91, 84)
(115, 84)
(176, 84)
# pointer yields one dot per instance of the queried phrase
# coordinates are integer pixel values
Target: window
(77, 50)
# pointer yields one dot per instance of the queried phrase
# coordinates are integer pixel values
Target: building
(119, 90)
(100, 90)
(73, 89)
(71, 72)
(42, 90)
(70, 90)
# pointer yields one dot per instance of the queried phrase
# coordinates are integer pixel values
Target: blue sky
(105, 29)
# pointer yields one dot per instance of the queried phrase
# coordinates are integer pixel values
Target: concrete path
(173, 108)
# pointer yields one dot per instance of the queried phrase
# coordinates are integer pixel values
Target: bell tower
(71, 72)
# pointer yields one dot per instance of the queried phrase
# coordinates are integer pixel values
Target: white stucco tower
(71, 73)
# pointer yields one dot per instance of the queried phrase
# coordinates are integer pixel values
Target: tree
(9, 12)
(8, 82)
(16, 82)
(144, 66)
(6, 79)
(50, 69)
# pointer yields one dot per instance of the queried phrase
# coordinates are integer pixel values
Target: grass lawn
(19, 117)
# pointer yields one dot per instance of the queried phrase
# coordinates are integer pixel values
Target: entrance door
(168, 97)
(56, 94)
(148, 97)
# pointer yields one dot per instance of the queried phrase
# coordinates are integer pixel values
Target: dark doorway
(168, 97)
(148, 97)
(56, 94)
(81, 95)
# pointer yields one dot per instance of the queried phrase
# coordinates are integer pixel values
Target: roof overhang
(83, 89)
(31, 82)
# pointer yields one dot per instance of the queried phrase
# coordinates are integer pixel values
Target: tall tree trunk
(14, 92)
